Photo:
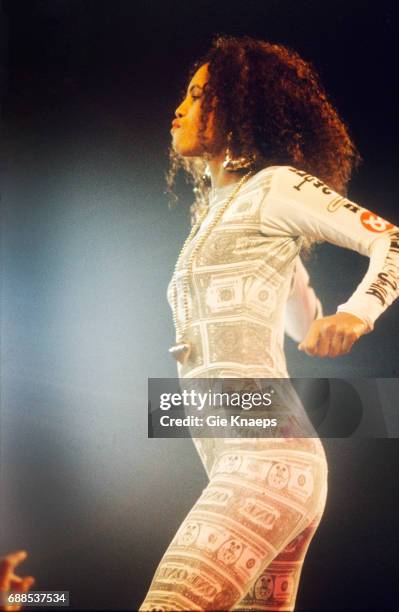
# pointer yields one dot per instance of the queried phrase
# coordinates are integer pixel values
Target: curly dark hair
(274, 106)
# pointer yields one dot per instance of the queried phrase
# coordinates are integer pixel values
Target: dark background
(88, 246)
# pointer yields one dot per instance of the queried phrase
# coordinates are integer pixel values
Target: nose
(179, 112)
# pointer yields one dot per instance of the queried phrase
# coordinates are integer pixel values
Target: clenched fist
(334, 335)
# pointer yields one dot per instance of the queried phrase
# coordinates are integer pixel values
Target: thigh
(255, 504)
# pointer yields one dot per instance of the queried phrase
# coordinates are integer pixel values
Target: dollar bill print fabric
(243, 544)
(241, 279)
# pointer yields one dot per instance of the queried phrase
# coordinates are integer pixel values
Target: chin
(187, 151)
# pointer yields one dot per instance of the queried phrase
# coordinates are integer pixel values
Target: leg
(255, 504)
(277, 587)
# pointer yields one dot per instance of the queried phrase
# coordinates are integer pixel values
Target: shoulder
(260, 184)
(279, 185)
(272, 172)
(265, 176)
(290, 183)
(297, 202)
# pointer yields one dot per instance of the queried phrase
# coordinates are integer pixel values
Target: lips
(175, 124)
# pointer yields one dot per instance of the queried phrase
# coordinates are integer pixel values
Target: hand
(334, 335)
(9, 581)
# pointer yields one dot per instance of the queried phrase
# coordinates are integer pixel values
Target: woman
(270, 160)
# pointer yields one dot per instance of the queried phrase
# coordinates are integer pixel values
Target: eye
(196, 93)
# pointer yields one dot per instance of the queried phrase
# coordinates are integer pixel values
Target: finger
(10, 561)
(14, 579)
(310, 342)
(6, 572)
(336, 344)
(24, 584)
(16, 557)
(324, 343)
(348, 342)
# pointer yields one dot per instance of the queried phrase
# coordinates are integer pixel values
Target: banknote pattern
(243, 544)
(238, 288)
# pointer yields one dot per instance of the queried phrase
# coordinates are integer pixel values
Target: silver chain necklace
(181, 350)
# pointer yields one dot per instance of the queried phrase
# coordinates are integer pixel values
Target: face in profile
(185, 128)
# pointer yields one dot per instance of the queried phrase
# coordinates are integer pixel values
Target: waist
(235, 346)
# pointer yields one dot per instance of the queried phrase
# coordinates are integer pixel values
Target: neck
(219, 176)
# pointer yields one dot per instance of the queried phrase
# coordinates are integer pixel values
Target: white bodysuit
(241, 278)
(242, 545)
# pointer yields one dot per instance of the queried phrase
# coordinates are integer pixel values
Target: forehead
(200, 77)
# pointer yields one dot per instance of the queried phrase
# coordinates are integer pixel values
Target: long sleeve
(299, 204)
(303, 306)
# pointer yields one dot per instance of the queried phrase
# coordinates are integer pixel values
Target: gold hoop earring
(234, 165)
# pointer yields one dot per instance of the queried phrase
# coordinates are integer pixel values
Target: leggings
(243, 543)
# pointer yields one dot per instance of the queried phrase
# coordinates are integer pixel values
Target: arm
(303, 306)
(300, 204)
